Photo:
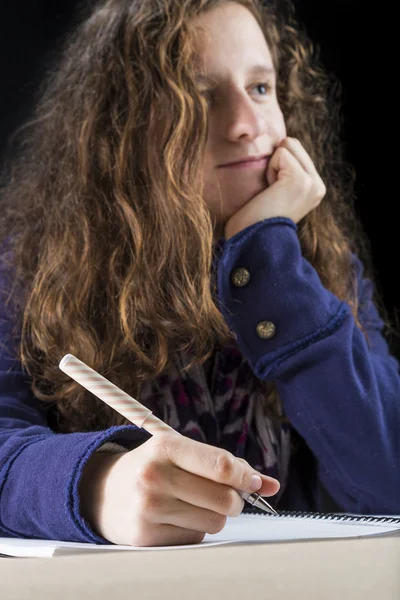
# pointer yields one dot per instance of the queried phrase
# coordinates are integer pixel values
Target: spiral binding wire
(342, 517)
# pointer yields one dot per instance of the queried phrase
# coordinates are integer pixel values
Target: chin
(231, 198)
(235, 204)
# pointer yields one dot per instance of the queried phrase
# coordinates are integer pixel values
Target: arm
(339, 391)
(169, 490)
(40, 471)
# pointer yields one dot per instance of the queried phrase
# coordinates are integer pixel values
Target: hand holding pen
(169, 490)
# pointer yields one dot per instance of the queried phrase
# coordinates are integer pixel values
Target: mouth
(251, 162)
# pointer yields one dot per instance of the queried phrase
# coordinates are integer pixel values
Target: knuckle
(226, 501)
(235, 504)
(246, 473)
(319, 193)
(166, 446)
(148, 474)
(149, 505)
(167, 441)
(237, 508)
(225, 465)
(216, 523)
(322, 190)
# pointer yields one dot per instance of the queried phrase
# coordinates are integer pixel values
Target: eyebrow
(255, 71)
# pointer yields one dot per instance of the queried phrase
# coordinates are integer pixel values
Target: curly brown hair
(111, 240)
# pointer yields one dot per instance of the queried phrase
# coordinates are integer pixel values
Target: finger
(194, 518)
(210, 462)
(204, 493)
(270, 486)
(168, 535)
(300, 153)
(283, 164)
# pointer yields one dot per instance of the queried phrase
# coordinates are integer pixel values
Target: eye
(266, 86)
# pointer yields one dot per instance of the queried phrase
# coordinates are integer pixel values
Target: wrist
(92, 487)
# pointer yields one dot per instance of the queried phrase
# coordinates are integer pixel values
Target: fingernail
(273, 480)
(255, 483)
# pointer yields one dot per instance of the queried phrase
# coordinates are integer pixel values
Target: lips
(251, 161)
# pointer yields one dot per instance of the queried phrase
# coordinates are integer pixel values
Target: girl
(180, 219)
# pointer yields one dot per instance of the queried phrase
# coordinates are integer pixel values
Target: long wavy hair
(110, 239)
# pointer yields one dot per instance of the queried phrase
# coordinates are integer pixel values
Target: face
(235, 72)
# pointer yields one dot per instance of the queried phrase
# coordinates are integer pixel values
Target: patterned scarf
(217, 403)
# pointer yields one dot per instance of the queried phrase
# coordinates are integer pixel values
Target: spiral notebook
(249, 527)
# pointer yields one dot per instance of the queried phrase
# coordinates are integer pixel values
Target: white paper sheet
(243, 529)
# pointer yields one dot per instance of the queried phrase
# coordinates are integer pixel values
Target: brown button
(240, 277)
(266, 330)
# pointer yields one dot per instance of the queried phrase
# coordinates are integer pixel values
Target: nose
(242, 118)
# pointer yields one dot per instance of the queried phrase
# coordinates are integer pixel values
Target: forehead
(229, 36)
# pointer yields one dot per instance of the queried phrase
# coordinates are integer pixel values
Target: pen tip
(263, 505)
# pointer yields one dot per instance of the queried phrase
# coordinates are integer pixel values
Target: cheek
(211, 184)
(279, 120)
(208, 170)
